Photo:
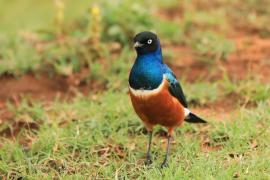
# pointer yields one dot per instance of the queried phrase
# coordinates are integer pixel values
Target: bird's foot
(148, 161)
(164, 165)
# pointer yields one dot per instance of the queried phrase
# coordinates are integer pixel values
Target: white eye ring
(149, 41)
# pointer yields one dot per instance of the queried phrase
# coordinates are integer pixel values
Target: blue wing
(175, 87)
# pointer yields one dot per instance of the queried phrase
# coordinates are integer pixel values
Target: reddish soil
(251, 58)
(41, 86)
(38, 86)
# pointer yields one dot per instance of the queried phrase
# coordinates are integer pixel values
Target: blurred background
(64, 68)
(86, 43)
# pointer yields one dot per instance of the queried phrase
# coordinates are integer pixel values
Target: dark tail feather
(192, 118)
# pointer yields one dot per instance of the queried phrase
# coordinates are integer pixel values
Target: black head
(146, 42)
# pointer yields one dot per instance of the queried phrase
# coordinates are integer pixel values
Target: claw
(164, 165)
(148, 162)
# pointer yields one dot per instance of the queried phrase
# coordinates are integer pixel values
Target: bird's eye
(149, 41)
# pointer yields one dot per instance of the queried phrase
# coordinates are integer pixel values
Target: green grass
(100, 136)
(249, 89)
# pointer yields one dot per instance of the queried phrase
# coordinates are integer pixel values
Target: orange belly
(158, 108)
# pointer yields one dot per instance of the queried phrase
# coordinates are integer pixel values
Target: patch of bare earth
(43, 87)
(38, 86)
(251, 58)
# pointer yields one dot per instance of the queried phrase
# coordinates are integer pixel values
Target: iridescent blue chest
(146, 73)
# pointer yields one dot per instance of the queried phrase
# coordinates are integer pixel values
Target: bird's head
(146, 42)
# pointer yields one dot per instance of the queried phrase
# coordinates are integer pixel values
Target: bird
(156, 94)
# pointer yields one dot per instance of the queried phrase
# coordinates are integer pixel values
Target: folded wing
(175, 87)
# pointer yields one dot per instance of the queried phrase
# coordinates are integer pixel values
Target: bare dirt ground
(41, 86)
(251, 57)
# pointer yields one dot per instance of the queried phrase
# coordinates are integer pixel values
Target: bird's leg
(148, 160)
(165, 162)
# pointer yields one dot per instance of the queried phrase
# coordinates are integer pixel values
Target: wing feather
(175, 87)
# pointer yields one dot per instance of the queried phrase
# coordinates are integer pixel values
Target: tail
(192, 118)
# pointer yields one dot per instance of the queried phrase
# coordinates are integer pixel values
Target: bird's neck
(155, 56)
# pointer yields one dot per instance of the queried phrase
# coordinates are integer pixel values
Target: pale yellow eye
(149, 41)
